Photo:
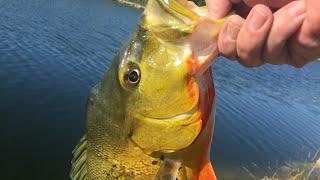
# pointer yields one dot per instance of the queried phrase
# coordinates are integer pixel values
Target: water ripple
(53, 52)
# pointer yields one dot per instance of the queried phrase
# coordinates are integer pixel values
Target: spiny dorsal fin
(78, 170)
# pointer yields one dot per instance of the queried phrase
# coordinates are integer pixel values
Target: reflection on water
(265, 116)
(53, 52)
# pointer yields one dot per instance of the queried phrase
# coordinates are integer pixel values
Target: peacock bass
(152, 116)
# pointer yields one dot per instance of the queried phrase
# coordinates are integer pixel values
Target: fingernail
(257, 19)
(297, 8)
(232, 31)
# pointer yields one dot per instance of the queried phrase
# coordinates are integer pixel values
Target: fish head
(162, 74)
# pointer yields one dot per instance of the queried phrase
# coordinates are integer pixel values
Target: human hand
(290, 35)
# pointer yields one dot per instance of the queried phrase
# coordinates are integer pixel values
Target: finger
(252, 36)
(218, 8)
(313, 17)
(305, 45)
(270, 3)
(228, 36)
(275, 50)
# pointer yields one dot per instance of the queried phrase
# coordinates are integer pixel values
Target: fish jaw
(167, 135)
(180, 21)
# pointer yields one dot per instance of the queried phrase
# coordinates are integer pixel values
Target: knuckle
(297, 62)
(276, 58)
(249, 56)
(236, 20)
(314, 31)
(267, 57)
(228, 49)
(297, 65)
(230, 55)
(252, 62)
(300, 55)
(245, 51)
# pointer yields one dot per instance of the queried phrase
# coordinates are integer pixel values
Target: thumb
(218, 8)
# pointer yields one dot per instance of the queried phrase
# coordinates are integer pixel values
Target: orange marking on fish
(193, 90)
(192, 64)
(206, 91)
(205, 86)
(207, 172)
(207, 97)
(204, 170)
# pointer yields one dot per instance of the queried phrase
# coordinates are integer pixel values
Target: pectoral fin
(78, 170)
(168, 170)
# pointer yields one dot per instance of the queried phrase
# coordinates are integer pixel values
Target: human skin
(269, 31)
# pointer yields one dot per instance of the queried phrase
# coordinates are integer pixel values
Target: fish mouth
(167, 134)
(184, 115)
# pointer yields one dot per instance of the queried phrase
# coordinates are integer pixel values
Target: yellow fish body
(152, 116)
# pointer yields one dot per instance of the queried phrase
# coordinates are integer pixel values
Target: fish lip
(186, 114)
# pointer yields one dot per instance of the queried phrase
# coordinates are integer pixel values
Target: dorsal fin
(79, 170)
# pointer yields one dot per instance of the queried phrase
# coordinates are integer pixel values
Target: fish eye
(132, 76)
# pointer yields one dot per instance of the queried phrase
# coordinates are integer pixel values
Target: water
(53, 52)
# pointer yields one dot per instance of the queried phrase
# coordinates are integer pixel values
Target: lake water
(53, 52)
